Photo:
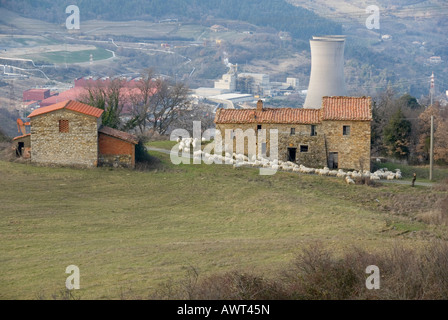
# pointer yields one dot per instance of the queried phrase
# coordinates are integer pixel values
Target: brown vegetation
(317, 273)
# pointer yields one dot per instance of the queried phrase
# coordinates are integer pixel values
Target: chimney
(260, 105)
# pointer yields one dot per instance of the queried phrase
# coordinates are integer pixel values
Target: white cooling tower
(327, 70)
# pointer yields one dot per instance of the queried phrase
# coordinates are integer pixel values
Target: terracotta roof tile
(119, 134)
(347, 108)
(275, 115)
(333, 108)
(69, 105)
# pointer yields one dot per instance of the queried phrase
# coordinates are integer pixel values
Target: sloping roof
(119, 134)
(275, 115)
(69, 105)
(333, 108)
(347, 108)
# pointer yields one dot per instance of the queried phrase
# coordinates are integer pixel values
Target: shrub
(317, 273)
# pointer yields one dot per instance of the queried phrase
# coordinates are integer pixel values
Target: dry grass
(130, 230)
(318, 274)
(439, 214)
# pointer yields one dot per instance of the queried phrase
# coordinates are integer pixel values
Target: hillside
(253, 38)
(3, 137)
(273, 13)
(130, 231)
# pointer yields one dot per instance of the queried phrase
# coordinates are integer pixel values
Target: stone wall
(353, 149)
(77, 147)
(316, 155)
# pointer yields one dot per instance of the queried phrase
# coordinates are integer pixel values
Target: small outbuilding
(71, 133)
(116, 148)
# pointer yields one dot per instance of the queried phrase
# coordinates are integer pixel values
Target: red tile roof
(333, 108)
(119, 134)
(69, 105)
(347, 108)
(276, 115)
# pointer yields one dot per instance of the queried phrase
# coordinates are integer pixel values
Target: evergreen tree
(397, 135)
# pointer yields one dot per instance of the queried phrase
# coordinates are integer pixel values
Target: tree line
(401, 128)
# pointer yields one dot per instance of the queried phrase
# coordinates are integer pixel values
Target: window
(293, 131)
(346, 130)
(292, 154)
(258, 127)
(313, 130)
(304, 148)
(63, 126)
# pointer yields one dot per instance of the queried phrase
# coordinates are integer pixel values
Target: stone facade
(354, 148)
(77, 147)
(315, 156)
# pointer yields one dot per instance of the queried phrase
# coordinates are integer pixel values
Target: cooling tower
(327, 70)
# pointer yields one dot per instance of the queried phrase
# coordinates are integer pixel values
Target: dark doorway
(292, 154)
(19, 150)
(333, 160)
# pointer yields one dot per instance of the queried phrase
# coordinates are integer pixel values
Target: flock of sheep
(240, 160)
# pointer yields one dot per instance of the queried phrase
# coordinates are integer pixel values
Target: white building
(260, 84)
(227, 82)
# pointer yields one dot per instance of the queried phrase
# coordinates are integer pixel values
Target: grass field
(131, 231)
(70, 56)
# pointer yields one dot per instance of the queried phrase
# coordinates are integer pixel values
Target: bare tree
(168, 103)
(108, 96)
(141, 101)
(201, 112)
(157, 103)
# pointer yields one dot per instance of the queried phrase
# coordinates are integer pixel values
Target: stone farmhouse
(337, 135)
(70, 133)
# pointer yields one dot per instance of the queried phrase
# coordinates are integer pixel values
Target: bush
(141, 153)
(317, 273)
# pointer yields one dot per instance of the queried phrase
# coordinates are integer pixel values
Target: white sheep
(348, 180)
(341, 174)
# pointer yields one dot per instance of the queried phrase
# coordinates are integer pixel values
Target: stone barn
(337, 135)
(70, 133)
